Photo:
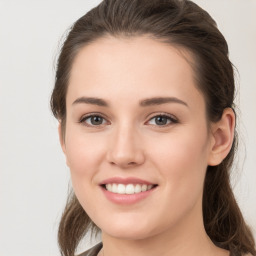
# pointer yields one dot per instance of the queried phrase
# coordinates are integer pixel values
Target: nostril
(131, 163)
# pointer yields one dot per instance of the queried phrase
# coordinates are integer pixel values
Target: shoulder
(243, 254)
(93, 251)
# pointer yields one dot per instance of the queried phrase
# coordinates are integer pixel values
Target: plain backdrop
(33, 176)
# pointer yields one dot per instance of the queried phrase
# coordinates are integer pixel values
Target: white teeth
(121, 189)
(108, 187)
(128, 189)
(114, 188)
(137, 188)
(144, 187)
(149, 187)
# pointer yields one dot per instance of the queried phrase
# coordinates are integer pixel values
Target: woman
(144, 95)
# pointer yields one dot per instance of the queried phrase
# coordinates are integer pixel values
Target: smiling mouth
(127, 189)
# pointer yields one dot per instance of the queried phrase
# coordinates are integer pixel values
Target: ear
(222, 133)
(62, 141)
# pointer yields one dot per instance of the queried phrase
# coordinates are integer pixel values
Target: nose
(126, 149)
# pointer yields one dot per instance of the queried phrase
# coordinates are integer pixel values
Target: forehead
(136, 67)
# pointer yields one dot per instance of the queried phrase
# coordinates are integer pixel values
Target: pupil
(161, 120)
(96, 120)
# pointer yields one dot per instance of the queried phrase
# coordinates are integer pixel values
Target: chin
(131, 234)
(129, 231)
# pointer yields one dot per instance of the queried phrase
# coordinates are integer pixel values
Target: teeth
(128, 189)
(149, 187)
(144, 188)
(121, 189)
(114, 188)
(137, 188)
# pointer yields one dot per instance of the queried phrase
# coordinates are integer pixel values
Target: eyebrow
(161, 100)
(143, 103)
(91, 100)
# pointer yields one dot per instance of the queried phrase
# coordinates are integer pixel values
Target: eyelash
(171, 119)
(84, 118)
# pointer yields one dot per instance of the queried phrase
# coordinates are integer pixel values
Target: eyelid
(173, 119)
(84, 117)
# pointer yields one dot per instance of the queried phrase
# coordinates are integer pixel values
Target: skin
(130, 143)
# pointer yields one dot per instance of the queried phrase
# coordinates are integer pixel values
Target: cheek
(84, 153)
(84, 156)
(182, 161)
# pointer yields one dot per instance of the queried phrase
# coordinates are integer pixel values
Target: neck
(187, 238)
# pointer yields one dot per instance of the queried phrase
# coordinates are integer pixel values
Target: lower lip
(127, 199)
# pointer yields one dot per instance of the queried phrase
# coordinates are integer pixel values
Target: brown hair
(183, 24)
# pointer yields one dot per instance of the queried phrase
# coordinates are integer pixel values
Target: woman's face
(136, 137)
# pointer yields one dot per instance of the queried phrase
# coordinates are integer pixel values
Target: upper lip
(125, 181)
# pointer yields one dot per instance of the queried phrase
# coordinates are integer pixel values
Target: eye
(162, 120)
(93, 120)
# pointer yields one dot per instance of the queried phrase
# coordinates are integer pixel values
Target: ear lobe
(223, 135)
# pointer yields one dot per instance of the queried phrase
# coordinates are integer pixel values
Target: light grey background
(33, 176)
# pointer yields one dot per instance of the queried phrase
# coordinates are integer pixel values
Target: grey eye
(162, 120)
(94, 120)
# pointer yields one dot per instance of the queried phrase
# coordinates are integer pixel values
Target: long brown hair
(181, 23)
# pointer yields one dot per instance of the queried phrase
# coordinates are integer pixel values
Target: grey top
(93, 251)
